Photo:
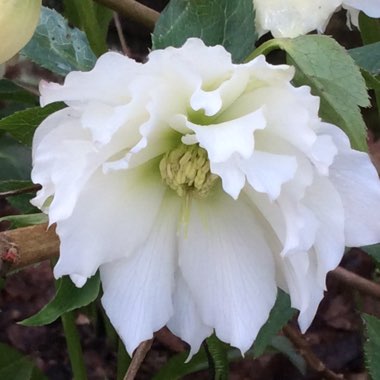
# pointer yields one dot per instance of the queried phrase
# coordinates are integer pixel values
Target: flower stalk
(73, 346)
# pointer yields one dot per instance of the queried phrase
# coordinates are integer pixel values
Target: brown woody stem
(133, 10)
(356, 282)
(137, 359)
(311, 359)
(29, 244)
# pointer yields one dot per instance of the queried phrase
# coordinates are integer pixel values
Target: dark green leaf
(372, 345)
(9, 91)
(93, 19)
(367, 57)
(280, 314)
(373, 251)
(217, 22)
(67, 298)
(285, 346)
(15, 366)
(369, 29)
(18, 221)
(20, 202)
(15, 159)
(57, 47)
(332, 75)
(218, 358)
(21, 125)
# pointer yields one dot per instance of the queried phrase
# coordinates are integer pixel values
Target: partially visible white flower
(370, 7)
(18, 20)
(292, 18)
(197, 186)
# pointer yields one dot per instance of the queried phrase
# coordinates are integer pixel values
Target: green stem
(265, 49)
(73, 346)
(123, 361)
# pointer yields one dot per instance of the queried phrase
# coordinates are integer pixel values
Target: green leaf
(93, 19)
(15, 366)
(20, 202)
(15, 159)
(369, 29)
(372, 345)
(217, 22)
(67, 298)
(18, 221)
(279, 316)
(332, 75)
(9, 91)
(285, 346)
(218, 358)
(57, 47)
(373, 251)
(22, 124)
(367, 57)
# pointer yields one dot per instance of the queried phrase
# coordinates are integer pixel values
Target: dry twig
(133, 10)
(137, 359)
(311, 359)
(11, 193)
(356, 282)
(28, 245)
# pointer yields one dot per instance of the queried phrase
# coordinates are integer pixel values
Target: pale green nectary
(292, 18)
(18, 20)
(197, 187)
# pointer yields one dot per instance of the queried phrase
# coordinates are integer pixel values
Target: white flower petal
(138, 290)
(113, 216)
(330, 241)
(229, 268)
(106, 82)
(291, 18)
(224, 139)
(267, 172)
(186, 322)
(305, 291)
(233, 178)
(370, 7)
(357, 182)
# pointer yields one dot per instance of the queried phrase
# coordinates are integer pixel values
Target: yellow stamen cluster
(186, 169)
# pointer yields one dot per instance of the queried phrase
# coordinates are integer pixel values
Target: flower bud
(18, 20)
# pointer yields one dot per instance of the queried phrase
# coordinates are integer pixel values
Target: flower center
(186, 169)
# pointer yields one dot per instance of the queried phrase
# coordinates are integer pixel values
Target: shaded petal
(267, 172)
(356, 180)
(303, 286)
(138, 290)
(326, 205)
(186, 322)
(229, 268)
(113, 216)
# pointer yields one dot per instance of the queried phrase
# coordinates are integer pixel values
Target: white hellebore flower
(197, 187)
(292, 18)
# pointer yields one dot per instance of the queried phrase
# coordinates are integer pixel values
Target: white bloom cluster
(197, 187)
(291, 18)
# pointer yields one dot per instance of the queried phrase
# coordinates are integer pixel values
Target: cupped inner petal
(228, 267)
(224, 139)
(138, 290)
